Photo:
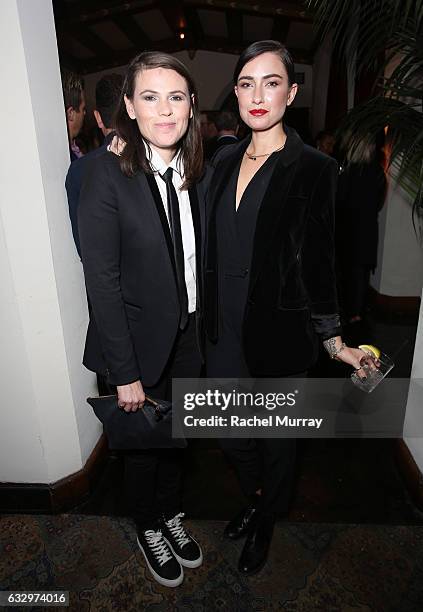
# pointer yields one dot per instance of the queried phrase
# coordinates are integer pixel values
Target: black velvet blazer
(292, 292)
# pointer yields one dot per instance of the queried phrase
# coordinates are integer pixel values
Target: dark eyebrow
(266, 76)
(158, 93)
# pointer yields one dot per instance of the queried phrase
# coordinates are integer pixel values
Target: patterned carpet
(312, 568)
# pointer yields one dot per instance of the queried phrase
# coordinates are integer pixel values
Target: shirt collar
(228, 136)
(75, 149)
(160, 166)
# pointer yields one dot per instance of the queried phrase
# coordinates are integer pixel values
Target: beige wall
(400, 255)
(46, 429)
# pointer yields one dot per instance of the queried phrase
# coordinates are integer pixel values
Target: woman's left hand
(357, 358)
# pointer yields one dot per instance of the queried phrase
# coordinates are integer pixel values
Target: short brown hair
(73, 87)
(133, 158)
(107, 95)
(226, 120)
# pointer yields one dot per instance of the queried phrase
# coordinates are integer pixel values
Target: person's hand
(131, 397)
(354, 357)
(117, 145)
(357, 358)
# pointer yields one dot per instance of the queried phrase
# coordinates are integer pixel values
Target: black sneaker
(159, 558)
(184, 547)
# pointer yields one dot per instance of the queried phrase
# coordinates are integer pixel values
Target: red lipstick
(258, 112)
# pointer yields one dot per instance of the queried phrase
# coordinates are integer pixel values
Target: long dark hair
(134, 157)
(266, 46)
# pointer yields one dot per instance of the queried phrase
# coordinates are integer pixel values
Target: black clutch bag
(148, 427)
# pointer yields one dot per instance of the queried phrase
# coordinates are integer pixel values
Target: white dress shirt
(187, 226)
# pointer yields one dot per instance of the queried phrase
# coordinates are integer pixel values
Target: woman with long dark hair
(270, 281)
(140, 220)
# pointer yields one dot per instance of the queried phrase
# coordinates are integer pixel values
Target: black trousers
(152, 478)
(266, 464)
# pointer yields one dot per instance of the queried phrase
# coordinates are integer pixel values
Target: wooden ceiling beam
(91, 41)
(262, 7)
(194, 26)
(171, 45)
(132, 31)
(280, 28)
(68, 61)
(234, 26)
(120, 58)
(96, 11)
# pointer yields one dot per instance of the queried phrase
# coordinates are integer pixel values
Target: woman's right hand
(117, 145)
(131, 397)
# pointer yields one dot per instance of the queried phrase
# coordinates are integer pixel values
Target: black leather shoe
(241, 523)
(256, 547)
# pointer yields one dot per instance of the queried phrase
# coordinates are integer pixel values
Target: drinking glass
(373, 376)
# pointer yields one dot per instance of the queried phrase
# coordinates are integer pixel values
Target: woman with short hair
(140, 225)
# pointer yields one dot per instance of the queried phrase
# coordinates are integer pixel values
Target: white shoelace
(158, 545)
(177, 530)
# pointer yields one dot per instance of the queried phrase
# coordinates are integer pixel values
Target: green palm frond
(365, 28)
(382, 33)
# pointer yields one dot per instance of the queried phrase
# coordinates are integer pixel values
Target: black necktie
(178, 249)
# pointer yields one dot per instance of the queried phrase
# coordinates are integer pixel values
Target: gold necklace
(254, 157)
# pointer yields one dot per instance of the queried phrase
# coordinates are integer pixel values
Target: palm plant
(379, 34)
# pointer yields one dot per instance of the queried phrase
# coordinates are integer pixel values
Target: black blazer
(216, 143)
(73, 185)
(128, 262)
(292, 291)
(360, 197)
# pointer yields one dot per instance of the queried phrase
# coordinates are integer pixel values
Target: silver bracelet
(331, 348)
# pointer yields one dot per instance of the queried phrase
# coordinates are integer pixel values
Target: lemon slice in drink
(369, 348)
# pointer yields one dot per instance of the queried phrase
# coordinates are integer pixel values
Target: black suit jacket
(127, 255)
(73, 185)
(360, 197)
(216, 143)
(292, 291)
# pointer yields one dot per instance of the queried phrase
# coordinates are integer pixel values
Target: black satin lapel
(162, 215)
(270, 215)
(196, 221)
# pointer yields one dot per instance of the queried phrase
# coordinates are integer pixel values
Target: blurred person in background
(227, 126)
(107, 95)
(208, 127)
(325, 142)
(208, 130)
(74, 98)
(360, 197)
